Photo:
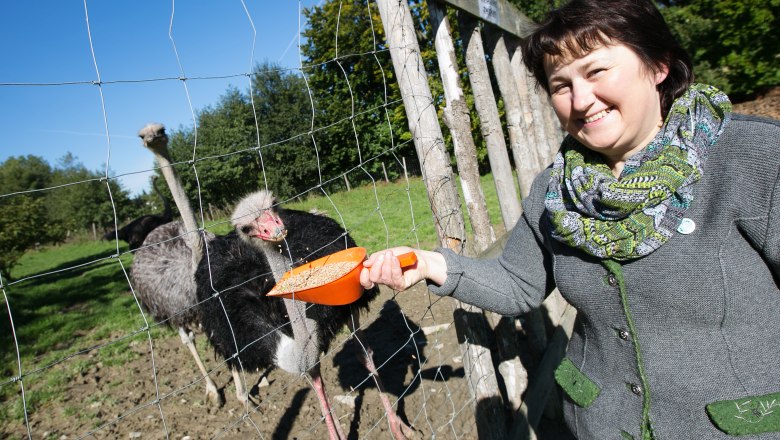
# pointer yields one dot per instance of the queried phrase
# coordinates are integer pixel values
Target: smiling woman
(657, 222)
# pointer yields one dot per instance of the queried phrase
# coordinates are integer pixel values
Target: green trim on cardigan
(748, 415)
(580, 389)
(616, 269)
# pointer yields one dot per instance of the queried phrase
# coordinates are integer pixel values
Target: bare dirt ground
(422, 373)
(414, 342)
(767, 105)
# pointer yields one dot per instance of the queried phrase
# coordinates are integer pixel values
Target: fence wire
(140, 381)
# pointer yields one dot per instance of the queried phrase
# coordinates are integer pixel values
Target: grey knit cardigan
(658, 339)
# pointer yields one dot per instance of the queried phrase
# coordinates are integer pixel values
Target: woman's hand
(383, 267)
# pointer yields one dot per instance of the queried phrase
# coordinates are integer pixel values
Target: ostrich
(164, 267)
(136, 231)
(239, 319)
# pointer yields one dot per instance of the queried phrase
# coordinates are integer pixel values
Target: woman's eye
(596, 72)
(559, 88)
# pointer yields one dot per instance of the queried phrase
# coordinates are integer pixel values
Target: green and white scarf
(633, 215)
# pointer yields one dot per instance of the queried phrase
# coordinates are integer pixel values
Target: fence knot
(97, 83)
(182, 78)
(16, 378)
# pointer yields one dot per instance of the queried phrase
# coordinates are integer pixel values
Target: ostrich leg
(241, 392)
(334, 427)
(211, 388)
(400, 430)
(305, 356)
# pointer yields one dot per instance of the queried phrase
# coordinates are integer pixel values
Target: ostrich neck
(193, 237)
(305, 330)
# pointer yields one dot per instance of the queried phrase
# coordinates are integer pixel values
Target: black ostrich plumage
(242, 275)
(135, 232)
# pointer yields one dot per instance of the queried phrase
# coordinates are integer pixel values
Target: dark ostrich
(265, 332)
(135, 232)
(164, 267)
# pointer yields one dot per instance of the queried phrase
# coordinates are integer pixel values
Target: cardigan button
(623, 335)
(636, 389)
(612, 280)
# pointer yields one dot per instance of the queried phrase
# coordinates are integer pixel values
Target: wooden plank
(500, 13)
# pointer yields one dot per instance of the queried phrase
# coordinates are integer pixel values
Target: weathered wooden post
(458, 120)
(531, 102)
(443, 196)
(490, 122)
(523, 151)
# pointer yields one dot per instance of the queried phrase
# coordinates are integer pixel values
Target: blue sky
(48, 42)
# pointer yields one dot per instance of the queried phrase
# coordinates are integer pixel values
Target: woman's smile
(597, 116)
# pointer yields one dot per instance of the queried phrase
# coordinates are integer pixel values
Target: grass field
(73, 299)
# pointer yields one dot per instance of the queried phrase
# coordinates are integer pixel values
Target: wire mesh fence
(73, 370)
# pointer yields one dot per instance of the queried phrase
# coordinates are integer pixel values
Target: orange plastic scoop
(332, 280)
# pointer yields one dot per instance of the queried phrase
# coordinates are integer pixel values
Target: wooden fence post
(458, 120)
(442, 193)
(526, 162)
(485, 102)
(534, 114)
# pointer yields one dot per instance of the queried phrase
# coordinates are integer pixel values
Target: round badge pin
(686, 226)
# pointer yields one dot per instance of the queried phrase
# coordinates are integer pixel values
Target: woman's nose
(582, 96)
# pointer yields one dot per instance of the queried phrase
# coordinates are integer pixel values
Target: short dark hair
(582, 25)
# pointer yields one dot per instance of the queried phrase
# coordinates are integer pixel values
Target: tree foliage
(42, 204)
(354, 90)
(247, 142)
(21, 222)
(733, 42)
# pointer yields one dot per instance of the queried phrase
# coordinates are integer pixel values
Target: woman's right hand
(383, 267)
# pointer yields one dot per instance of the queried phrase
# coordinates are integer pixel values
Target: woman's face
(607, 99)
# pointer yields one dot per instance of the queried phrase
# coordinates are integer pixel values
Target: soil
(767, 104)
(414, 342)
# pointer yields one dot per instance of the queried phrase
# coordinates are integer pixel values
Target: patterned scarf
(631, 216)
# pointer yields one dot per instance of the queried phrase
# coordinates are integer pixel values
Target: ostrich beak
(269, 227)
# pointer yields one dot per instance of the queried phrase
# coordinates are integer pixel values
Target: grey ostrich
(164, 267)
(253, 331)
(135, 232)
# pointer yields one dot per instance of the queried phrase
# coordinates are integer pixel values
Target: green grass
(74, 297)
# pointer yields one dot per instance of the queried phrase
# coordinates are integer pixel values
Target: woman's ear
(661, 74)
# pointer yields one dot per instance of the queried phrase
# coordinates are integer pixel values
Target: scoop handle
(408, 259)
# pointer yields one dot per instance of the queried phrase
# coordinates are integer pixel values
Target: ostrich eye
(246, 229)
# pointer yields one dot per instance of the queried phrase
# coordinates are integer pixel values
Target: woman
(659, 220)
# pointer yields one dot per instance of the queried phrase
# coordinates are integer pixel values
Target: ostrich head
(154, 138)
(257, 221)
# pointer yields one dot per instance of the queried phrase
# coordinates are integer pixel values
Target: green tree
(284, 115)
(220, 150)
(732, 42)
(24, 173)
(79, 198)
(22, 220)
(349, 71)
